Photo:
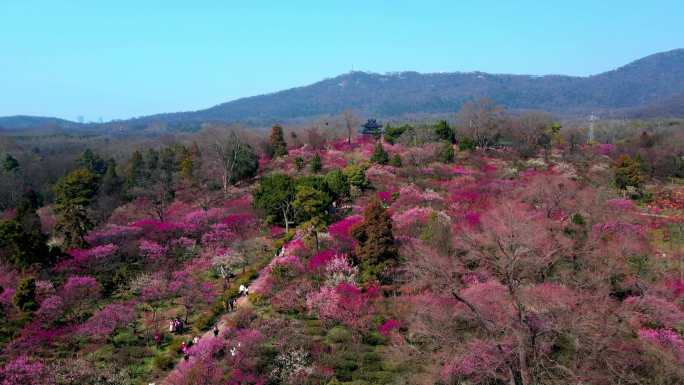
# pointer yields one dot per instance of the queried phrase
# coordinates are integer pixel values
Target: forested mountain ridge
(645, 87)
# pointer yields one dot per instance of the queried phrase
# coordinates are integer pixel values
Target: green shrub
(314, 328)
(379, 377)
(339, 334)
(371, 357)
(466, 143)
(445, 153)
(355, 382)
(374, 338)
(316, 165)
(345, 368)
(445, 132)
(25, 296)
(205, 321)
(164, 361)
(125, 338)
(356, 175)
(379, 156)
(175, 344)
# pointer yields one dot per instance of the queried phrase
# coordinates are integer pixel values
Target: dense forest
(488, 248)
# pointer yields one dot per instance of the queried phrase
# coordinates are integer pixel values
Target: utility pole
(592, 119)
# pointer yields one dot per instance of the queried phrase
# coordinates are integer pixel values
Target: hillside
(644, 87)
(645, 81)
(23, 122)
(433, 263)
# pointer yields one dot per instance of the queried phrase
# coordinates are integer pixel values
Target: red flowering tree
(80, 292)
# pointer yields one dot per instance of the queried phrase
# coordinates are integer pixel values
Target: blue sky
(125, 58)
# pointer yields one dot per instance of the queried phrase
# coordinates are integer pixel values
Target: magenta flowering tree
(409, 222)
(204, 217)
(621, 204)
(292, 296)
(240, 222)
(652, 311)
(88, 259)
(410, 196)
(243, 356)
(295, 247)
(51, 309)
(320, 260)
(221, 234)
(151, 249)
(23, 371)
(161, 231)
(112, 234)
(344, 303)
(480, 361)
(196, 371)
(677, 287)
(152, 288)
(183, 242)
(340, 270)
(606, 149)
(340, 231)
(203, 366)
(6, 298)
(666, 340)
(388, 326)
(80, 292)
(385, 197)
(107, 319)
(190, 290)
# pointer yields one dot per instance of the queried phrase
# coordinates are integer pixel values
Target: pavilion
(372, 128)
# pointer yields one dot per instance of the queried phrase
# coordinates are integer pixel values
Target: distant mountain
(672, 107)
(646, 87)
(23, 122)
(646, 81)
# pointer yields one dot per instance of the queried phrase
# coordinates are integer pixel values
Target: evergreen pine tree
(316, 163)
(445, 153)
(379, 156)
(10, 164)
(25, 296)
(135, 174)
(445, 132)
(277, 141)
(92, 162)
(375, 246)
(395, 161)
(627, 172)
(21, 239)
(111, 183)
(74, 193)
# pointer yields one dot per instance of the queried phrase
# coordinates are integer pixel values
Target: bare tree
(232, 155)
(481, 120)
(350, 121)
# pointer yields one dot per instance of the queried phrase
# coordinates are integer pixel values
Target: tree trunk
(225, 182)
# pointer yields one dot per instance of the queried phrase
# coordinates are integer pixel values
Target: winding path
(221, 324)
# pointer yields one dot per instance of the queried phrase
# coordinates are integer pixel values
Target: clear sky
(125, 58)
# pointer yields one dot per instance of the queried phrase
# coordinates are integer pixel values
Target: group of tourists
(232, 305)
(243, 290)
(176, 325)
